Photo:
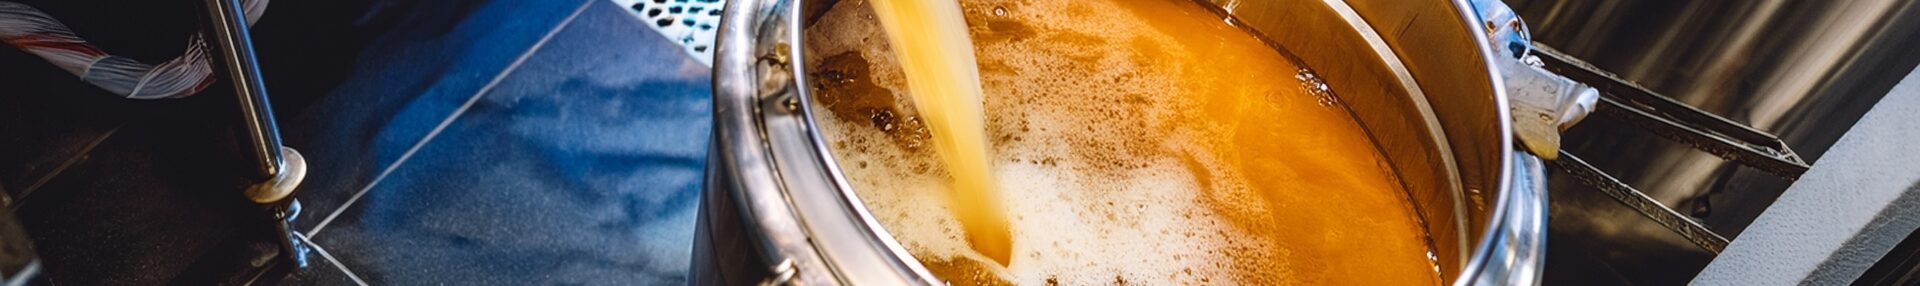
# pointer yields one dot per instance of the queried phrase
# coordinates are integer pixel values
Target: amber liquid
(1134, 141)
(929, 38)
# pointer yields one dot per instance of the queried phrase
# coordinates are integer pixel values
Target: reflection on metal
(1520, 234)
(275, 196)
(19, 265)
(1542, 104)
(783, 273)
(1672, 120)
(232, 47)
(1677, 121)
(1647, 206)
(280, 187)
(1803, 70)
(276, 170)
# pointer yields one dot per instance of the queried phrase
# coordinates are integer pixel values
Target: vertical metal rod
(273, 178)
(227, 37)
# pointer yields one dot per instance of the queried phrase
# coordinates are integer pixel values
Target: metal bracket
(1646, 205)
(1551, 89)
(1677, 121)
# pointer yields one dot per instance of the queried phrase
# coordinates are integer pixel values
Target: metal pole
(276, 170)
(228, 39)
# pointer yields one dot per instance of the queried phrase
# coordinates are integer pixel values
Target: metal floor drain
(689, 23)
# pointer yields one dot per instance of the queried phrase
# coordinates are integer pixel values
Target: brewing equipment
(778, 209)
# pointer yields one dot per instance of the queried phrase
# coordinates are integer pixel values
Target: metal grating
(689, 23)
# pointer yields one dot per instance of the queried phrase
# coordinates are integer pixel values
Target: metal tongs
(1626, 101)
(1549, 91)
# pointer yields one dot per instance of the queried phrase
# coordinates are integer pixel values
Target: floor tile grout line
(15, 201)
(330, 260)
(450, 118)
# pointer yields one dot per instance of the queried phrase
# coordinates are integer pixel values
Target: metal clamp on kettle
(1551, 91)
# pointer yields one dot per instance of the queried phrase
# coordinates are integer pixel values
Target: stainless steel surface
(1541, 102)
(1516, 241)
(1652, 209)
(281, 186)
(1804, 70)
(766, 164)
(1442, 49)
(273, 181)
(1676, 121)
(232, 47)
(1627, 101)
(1421, 77)
(1451, 188)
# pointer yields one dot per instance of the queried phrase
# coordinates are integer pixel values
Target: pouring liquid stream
(930, 39)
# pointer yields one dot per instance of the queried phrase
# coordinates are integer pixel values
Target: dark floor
(501, 142)
(115, 191)
(573, 159)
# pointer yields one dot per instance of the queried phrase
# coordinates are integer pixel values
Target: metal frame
(1678, 121)
(1675, 121)
(1693, 231)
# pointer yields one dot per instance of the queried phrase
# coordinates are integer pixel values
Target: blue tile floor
(518, 142)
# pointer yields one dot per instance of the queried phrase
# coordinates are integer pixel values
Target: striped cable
(36, 33)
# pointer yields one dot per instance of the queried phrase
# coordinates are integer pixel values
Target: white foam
(1072, 223)
(1069, 227)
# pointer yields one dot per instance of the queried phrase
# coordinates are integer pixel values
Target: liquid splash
(1316, 87)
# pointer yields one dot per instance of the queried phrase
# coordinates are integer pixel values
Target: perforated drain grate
(690, 23)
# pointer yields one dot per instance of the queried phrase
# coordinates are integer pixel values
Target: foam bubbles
(1109, 171)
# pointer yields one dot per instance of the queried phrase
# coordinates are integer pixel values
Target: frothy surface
(929, 40)
(1135, 141)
